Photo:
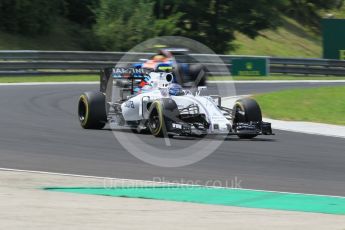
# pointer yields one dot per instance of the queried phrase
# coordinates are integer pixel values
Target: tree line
(118, 25)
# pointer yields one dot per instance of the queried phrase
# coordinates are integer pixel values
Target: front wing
(190, 129)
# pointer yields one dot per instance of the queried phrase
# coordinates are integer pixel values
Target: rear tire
(91, 110)
(246, 110)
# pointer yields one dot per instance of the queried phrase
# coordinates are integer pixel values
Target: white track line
(308, 128)
(157, 182)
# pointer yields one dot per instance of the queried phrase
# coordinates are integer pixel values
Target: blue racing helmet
(175, 90)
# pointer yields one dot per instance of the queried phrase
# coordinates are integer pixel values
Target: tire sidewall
(95, 111)
(159, 131)
(252, 113)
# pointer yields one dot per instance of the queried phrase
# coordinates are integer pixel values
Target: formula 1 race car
(149, 100)
(178, 60)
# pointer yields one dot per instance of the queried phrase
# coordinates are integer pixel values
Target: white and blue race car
(150, 101)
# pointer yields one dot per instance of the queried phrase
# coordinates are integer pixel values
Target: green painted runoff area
(223, 196)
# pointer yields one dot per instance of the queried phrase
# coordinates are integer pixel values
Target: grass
(323, 105)
(289, 40)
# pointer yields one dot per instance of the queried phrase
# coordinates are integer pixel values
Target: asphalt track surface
(39, 130)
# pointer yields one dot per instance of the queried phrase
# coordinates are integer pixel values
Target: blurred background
(256, 27)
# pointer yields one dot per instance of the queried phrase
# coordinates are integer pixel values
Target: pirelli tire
(91, 110)
(246, 110)
(161, 115)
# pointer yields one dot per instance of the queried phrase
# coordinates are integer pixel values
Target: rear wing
(129, 74)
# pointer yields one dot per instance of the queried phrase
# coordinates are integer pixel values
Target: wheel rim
(239, 116)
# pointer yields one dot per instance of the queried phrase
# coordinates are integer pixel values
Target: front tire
(91, 110)
(156, 119)
(162, 113)
(246, 110)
